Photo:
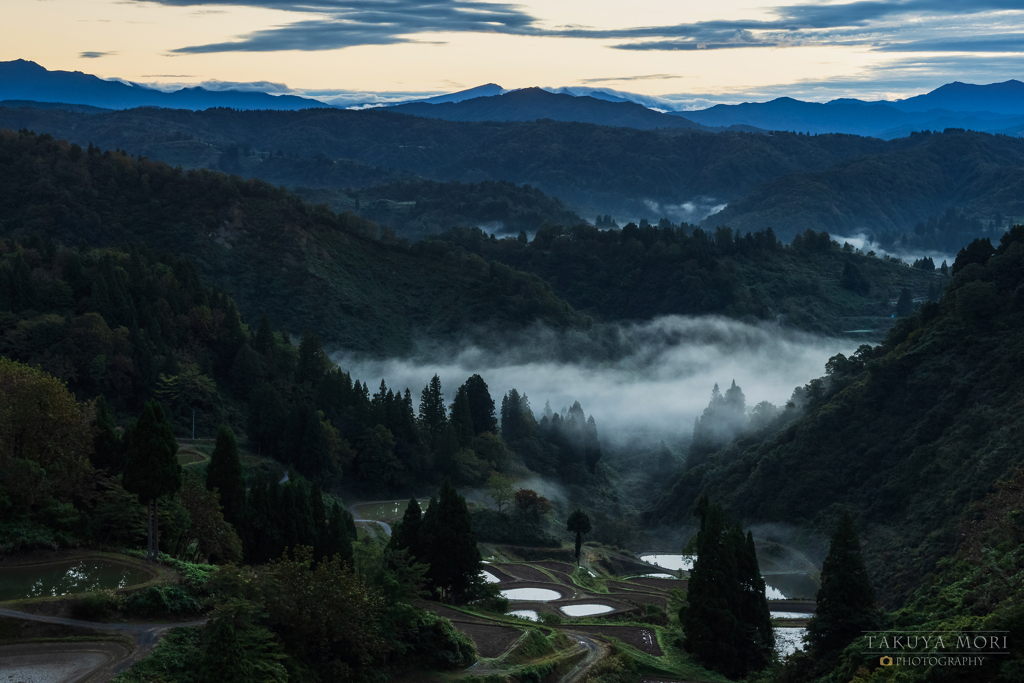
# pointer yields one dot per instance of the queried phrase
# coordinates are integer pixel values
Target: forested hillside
(788, 181)
(303, 266)
(613, 170)
(637, 273)
(889, 191)
(904, 437)
(417, 208)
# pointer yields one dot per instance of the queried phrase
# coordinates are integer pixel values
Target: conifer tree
(449, 543)
(406, 533)
(846, 600)
(312, 361)
(481, 406)
(338, 540)
(578, 524)
(757, 640)
(224, 473)
(151, 466)
(432, 412)
(224, 658)
(264, 341)
(462, 418)
(708, 619)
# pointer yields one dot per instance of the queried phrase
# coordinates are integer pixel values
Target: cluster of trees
(442, 538)
(417, 208)
(726, 623)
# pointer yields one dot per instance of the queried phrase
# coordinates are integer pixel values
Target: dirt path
(383, 525)
(595, 651)
(145, 636)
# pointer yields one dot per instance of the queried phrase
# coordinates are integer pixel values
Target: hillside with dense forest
(640, 272)
(905, 437)
(788, 181)
(303, 266)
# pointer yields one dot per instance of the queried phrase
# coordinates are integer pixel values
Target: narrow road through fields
(355, 516)
(595, 651)
(145, 635)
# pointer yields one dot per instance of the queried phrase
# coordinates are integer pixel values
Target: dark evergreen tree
(224, 658)
(757, 640)
(151, 467)
(224, 473)
(846, 600)
(447, 537)
(406, 534)
(264, 340)
(432, 413)
(312, 362)
(578, 524)
(320, 522)
(462, 418)
(709, 619)
(108, 449)
(481, 406)
(338, 540)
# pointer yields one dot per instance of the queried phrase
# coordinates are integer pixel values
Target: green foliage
(224, 473)
(151, 469)
(173, 659)
(846, 600)
(163, 601)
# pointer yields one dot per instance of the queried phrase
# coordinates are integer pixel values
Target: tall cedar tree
(151, 467)
(447, 537)
(726, 620)
(432, 412)
(224, 473)
(708, 619)
(846, 599)
(462, 418)
(481, 406)
(578, 524)
(338, 540)
(406, 534)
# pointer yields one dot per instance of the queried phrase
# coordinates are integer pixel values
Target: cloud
(94, 55)
(648, 77)
(654, 377)
(902, 25)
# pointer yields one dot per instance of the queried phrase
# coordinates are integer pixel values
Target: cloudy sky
(686, 50)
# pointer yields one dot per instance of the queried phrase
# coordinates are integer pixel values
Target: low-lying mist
(653, 377)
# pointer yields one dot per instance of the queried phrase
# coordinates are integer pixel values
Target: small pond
(788, 640)
(791, 586)
(792, 615)
(585, 610)
(536, 594)
(489, 577)
(75, 576)
(671, 562)
(388, 510)
(525, 614)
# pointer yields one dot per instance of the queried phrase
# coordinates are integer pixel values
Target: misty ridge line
(654, 376)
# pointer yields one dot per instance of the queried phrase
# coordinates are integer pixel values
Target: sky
(687, 52)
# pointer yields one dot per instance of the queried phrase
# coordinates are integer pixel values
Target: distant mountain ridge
(24, 80)
(534, 104)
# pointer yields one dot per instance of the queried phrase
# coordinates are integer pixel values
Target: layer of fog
(865, 244)
(693, 211)
(653, 377)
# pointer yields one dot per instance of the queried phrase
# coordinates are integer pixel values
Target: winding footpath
(595, 651)
(145, 636)
(355, 517)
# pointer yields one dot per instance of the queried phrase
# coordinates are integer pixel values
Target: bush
(95, 606)
(439, 645)
(162, 601)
